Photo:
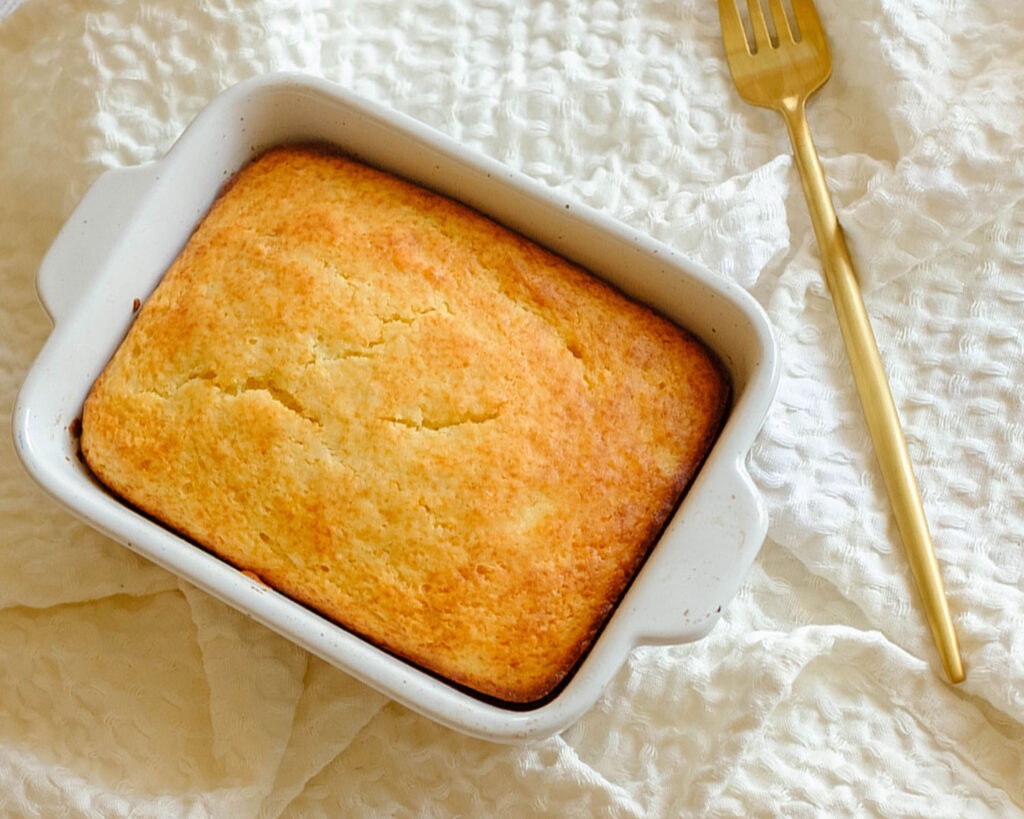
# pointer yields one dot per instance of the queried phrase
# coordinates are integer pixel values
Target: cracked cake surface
(412, 420)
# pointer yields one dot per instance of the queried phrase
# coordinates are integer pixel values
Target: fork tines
(766, 32)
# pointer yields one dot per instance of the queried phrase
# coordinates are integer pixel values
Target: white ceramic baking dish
(131, 224)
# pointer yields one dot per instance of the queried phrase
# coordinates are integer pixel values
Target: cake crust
(412, 420)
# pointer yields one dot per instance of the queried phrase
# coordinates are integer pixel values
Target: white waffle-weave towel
(8, 6)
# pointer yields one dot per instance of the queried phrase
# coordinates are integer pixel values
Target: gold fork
(780, 69)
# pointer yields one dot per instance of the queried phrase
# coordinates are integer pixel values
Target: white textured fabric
(125, 692)
(8, 6)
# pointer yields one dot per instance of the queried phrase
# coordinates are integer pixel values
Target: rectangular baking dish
(132, 223)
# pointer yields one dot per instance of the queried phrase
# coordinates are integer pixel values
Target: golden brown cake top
(407, 417)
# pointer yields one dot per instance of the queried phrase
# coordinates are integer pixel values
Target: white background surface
(123, 691)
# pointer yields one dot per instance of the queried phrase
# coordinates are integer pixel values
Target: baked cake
(406, 417)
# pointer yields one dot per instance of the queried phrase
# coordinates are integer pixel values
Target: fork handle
(880, 412)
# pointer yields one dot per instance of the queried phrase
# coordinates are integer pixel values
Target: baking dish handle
(731, 514)
(88, 237)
